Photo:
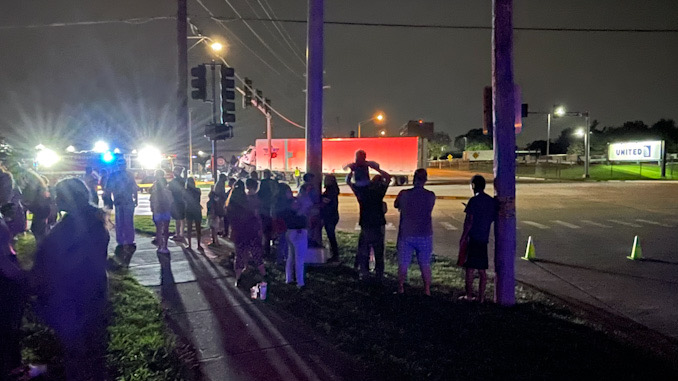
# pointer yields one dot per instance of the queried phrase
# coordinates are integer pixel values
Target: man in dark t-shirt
(415, 233)
(481, 211)
(372, 222)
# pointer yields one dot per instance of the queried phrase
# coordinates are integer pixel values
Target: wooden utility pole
(504, 152)
(314, 93)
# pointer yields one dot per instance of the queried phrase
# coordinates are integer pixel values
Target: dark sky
(60, 85)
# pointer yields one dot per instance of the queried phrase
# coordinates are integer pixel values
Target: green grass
(438, 338)
(597, 171)
(141, 347)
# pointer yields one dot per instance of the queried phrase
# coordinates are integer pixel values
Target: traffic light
(247, 97)
(267, 106)
(219, 131)
(199, 82)
(227, 94)
(259, 99)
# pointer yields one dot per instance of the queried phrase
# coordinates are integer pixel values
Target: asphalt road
(582, 233)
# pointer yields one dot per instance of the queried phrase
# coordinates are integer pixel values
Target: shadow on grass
(437, 338)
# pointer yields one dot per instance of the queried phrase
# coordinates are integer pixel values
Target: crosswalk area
(557, 224)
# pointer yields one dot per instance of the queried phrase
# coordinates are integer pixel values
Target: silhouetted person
(330, 214)
(481, 211)
(415, 233)
(124, 190)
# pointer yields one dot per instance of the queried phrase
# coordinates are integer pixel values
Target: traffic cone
(529, 250)
(636, 251)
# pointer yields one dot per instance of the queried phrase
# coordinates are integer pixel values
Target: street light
(216, 46)
(382, 132)
(70, 149)
(560, 111)
(46, 158)
(379, 117)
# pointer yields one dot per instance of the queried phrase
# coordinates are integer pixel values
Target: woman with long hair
(330, 213)
(70, 281)
(246, 231)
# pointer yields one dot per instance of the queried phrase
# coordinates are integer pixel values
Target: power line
(262, 40)
(281, 28)
(221, 22)
(457, 27)
(131, 21)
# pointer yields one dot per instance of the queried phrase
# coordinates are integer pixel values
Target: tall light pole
(378, 117)
(560, 111)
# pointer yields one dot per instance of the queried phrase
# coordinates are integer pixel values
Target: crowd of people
(72, 247)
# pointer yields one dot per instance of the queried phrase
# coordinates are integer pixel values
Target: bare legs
(482, 283)
(198, 231)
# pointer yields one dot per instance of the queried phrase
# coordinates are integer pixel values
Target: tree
(475, 140)
(439, 144)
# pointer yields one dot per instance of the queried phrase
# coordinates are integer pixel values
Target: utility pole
(215, 121)
(504, 152)
(182, 67)
(314, 93)
(548, 134)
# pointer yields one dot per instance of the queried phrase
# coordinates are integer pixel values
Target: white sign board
(483, 155)
(635, 151)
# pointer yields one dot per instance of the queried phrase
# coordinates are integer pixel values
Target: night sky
(75, 84)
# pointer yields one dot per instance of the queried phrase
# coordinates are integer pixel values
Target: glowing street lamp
(70, 149)
(379, 117)
(559, 111)
(100, 147)
(216, 47)
(580, 133)
(201, 154)
(117, 150)
(382, 132)
(39, 147)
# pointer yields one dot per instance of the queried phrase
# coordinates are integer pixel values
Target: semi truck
(399, 156)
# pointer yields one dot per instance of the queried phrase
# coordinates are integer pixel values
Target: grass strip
(141, 347)
(416, 337)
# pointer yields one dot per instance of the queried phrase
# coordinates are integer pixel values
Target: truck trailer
(399, 156)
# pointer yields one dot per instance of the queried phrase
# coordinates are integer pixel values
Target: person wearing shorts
(415, 233)
(481, 211)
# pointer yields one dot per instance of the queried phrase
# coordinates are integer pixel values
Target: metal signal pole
(182, 67)
(504, 152)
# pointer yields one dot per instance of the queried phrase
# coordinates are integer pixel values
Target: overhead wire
(262, 41)
(283, 32)
(221, 23)
(132, 21)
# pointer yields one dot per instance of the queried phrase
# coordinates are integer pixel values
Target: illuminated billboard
(635, 151)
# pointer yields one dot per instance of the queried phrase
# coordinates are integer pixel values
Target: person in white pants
(296, 222)
(297, 240)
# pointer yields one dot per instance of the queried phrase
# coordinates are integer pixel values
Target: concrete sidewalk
(236, 338)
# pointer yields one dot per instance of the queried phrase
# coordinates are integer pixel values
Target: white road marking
(592, 223)
(536, 225)
(653, 223)
(626, 223)
(566, 224)
(448, 226)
